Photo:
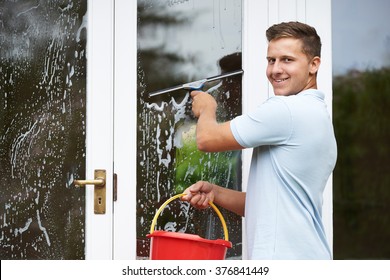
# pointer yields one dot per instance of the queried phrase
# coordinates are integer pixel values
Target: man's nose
(277, 67)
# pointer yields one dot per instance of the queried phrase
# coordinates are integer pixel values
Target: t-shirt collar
(312, 91)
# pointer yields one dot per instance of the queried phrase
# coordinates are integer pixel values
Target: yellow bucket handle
(225, 231)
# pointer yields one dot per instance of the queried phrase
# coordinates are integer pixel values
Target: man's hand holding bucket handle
(200, 194)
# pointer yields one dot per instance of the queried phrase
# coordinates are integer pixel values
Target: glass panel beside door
(180, 42)
(42, 122)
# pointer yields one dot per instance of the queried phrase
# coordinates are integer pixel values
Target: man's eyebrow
(282, 56)
(287, 56)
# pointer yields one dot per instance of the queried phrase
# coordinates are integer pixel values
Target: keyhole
(99, 200)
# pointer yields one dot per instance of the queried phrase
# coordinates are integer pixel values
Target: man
(294, 152)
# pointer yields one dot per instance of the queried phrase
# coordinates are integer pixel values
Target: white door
(56, 121)
(257, 16)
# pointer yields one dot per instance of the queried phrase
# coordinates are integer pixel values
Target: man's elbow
(204, 144)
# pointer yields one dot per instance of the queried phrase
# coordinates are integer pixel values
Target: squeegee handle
(196, 85)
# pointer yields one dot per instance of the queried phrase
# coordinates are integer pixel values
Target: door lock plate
(100, 192)
(99, 184)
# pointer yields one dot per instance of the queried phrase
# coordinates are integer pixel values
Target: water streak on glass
(180, 41)
(42, 123)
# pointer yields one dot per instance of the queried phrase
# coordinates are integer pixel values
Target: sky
(361, 35)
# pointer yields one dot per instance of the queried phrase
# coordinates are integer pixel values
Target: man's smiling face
(289, 70)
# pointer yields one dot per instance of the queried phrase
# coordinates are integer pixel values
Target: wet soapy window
(180, 41)
(42, 128)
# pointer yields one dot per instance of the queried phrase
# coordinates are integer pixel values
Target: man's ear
(315, 64)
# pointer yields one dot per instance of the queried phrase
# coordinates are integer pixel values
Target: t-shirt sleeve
(269, 124)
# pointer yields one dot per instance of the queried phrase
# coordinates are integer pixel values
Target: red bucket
(183, 246)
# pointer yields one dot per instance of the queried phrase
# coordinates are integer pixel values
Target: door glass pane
(180, 42)
(42, 123)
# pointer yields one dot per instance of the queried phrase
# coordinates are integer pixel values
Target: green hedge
(361, 114)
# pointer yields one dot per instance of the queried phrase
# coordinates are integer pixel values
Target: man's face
(289, 70)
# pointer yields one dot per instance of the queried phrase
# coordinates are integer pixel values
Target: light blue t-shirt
(294, 154)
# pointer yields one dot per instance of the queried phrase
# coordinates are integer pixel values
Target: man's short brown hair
(307, 34)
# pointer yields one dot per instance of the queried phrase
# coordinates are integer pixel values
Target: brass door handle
(98, 182)
(100, 190)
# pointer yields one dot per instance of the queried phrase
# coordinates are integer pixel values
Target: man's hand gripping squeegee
(196, 85)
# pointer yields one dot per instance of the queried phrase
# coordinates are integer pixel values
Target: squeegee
(196, 85)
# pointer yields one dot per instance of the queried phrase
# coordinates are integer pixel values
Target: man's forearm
(231, 200)
(206, 130)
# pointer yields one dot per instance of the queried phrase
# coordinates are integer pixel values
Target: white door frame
(125, 134)
(99, 132)
(258, 15)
